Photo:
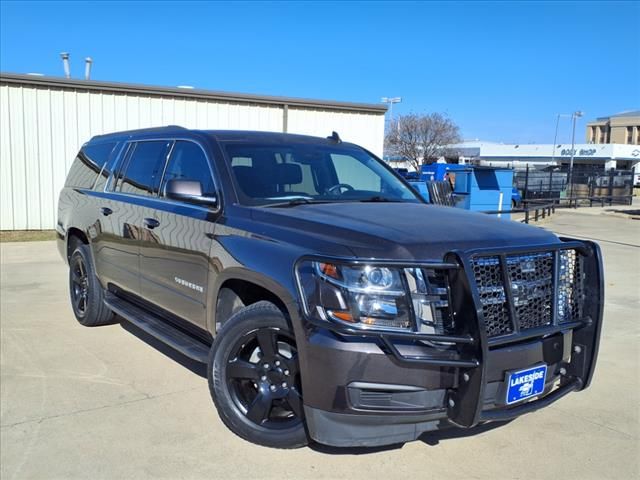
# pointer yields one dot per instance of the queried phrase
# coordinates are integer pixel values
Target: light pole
(574, 116)
(390, 101)
(555, 137)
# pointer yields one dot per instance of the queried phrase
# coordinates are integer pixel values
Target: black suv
(327, 299)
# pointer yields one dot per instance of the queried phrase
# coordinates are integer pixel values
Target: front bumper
(368, 389)
(353, 430)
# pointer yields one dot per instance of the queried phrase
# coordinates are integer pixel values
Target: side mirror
(188, 191)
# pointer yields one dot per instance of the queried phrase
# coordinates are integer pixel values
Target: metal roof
(118, 87)
(629, 113)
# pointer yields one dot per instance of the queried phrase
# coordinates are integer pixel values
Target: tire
(254, 378)
(85, 291)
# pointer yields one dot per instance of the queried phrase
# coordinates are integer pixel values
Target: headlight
(365, 296)
(376, 297)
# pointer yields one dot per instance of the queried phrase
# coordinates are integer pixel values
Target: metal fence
(586, 185)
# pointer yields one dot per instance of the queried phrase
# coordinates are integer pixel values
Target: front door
(174, 252)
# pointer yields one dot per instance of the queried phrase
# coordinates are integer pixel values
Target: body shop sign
(583, 152)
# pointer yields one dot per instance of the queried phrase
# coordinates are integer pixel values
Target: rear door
(174, 255)
(122, 213)
(80, 201)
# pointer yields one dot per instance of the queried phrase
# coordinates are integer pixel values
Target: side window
(188, 162)
(241, 162)
(144, 169)
(296, 177)
(353, 172)
(89, 162)
(307, 183)
(105, 171)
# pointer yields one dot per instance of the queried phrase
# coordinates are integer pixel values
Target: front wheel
(254, 378)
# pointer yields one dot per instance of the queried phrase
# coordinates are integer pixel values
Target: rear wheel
(254, 378)
(85, 291)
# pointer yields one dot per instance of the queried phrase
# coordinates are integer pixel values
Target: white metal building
(45, 120)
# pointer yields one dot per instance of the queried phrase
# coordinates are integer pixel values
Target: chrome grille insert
(570, 286)
(529, 280)
(490, 282)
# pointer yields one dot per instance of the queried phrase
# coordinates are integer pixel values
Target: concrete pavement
(77, 402)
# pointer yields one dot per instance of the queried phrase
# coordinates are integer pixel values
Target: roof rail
(165, 129)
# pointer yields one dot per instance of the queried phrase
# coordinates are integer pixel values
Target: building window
(592, 137)
(603, 135)
(629, 135)
(638, 135)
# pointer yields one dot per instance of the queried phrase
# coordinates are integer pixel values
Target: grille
(490, 282)
(570, 286)
(532, 288)
(530, 280)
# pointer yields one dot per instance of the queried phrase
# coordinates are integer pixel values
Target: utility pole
(390, 101)
(555, 137)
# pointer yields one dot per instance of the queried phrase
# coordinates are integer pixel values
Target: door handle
(151, 223)
(106, 211)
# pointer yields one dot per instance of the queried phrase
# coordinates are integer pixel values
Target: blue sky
(501, 70)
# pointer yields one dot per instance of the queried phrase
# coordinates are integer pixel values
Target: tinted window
(355, 173)
(144, 168)
(105, 171)
(265, 174)
(88, 163)
(188, 162)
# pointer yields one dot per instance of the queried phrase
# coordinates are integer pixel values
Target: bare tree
(420, 139)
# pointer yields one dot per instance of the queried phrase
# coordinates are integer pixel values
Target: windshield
(272, 174)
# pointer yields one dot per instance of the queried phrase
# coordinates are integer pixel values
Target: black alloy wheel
(79, 285)
(264, 380)
(254, 377)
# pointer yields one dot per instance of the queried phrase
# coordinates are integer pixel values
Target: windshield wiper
(379, 198)
(295, 202)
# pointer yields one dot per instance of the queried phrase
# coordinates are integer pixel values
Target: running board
(178, 340)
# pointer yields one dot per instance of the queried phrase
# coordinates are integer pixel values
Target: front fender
(284, 293)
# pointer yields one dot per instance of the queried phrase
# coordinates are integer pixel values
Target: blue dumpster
(421, 187)
(484, 189)
(437, 171)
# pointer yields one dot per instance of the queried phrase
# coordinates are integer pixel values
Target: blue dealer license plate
(525, 384)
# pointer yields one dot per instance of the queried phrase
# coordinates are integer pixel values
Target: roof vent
(65, 63)
(87, 68)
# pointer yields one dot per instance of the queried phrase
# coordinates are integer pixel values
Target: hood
(398, 231)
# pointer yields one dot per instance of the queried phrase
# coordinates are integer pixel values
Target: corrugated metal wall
(42, 129)
(366, 130)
